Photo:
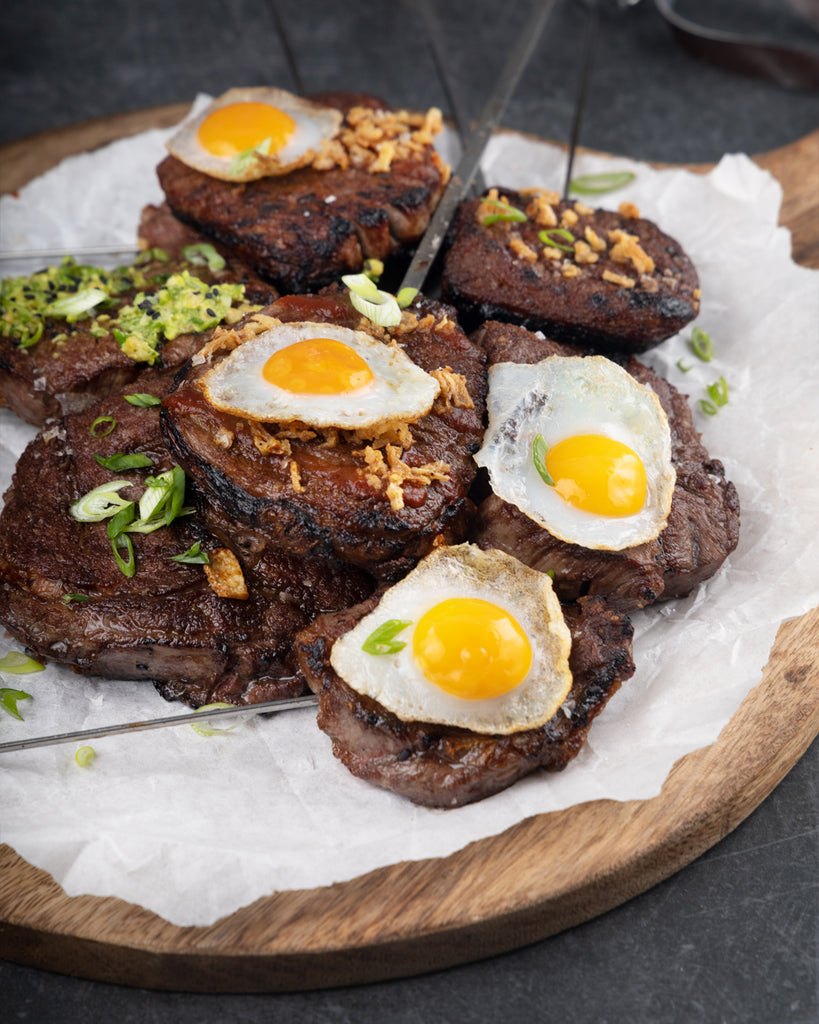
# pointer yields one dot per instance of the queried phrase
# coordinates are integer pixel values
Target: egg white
(561, 397)
(464, 570)
(314, 125)
(399, 392)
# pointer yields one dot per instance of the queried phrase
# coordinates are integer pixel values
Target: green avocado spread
(166, 305)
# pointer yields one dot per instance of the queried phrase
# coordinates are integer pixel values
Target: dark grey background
(731, 938)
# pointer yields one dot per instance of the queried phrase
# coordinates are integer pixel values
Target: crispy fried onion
(226, 339)
(225, 575)
(453, 393)
(373, 139)
(397, 473)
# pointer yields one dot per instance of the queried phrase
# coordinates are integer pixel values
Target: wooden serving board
(545, 874)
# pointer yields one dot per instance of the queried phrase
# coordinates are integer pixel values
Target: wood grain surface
(545, 874)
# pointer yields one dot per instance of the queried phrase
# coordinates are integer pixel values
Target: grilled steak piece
(304, 229)
(75, 364)
(703, 525)
(609, 292)
(165, 623)
(338, 507)
(444, 766)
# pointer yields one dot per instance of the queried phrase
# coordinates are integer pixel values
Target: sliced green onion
(506, 212)
(143, 400)
(383, 311)
(79, 598)
(150, 255)
(718, 392)
(548, 238)
(120, 520)
(84, 756)
(118, 463)
(206, 728)
(203, 252)
(19, 664)
(126, 565)
(382, 640)
(73, 306)
(240, 163)
(102, 426)
(373, 269)
(30, 336)
(161, 501)
(8, 701)
(101, 503)
(539, 449)
(596, 184)
(701, 345)
(708, 407)
(193, 556)
(405, 297)
(682, 367)
(361, 284)
(550, 573)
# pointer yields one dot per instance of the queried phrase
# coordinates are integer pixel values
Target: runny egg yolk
(471, 648)
(317, 366)
(598, 474)
(237, 127)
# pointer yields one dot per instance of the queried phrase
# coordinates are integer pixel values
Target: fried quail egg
(582, 448)
(468, 638)
(322, 375)
(253, 133)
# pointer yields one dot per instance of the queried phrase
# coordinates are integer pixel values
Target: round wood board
(545, 874)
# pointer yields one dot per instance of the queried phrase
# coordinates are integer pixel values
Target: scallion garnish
(143, 400)
(597, 184)
(365, 296)
(539, 449)
(707, 407)
(382, 640)
(102, 426)
(206, 728)
(550, 237)
(100, 503)
(84, 756)
(682, 367)
(203, 252)
(19, 664)
(193, 556)
(127, 565)
(405, 297)
(718, 392)
(119, 463)
(240, 163)
(73, 306)
(373, 269)
(9, 698)
(506, 212)
(161, 501)
(701, 345)
(78, 598)
(151, 255)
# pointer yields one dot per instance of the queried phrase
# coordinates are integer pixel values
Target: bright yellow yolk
(471, 648)
(317, 366)
(237, 127)
(598, 474)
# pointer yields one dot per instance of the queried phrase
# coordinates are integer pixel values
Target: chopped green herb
(382, 640)
(119, 463)
(155, 255)
(9, 698)
(405, 297)
(127, 565)
(242, 161)
(100, 503)
(701, 345)
(161, 502)
(506, 212)
(102, 426)
(79, 598)
(682, 367)
(73, 307)
(193, 556)
(206, 728)
(19, 664)
(718, 392)
(708, 407)
(539, 449)
(143, 400)
(203, 252)
(84, 756)
(373, 269)
(597, 184)
(551, 236)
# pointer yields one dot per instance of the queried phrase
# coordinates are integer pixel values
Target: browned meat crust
(442, 766)
(165, 623)
(338, 512)
(303, 230)
(498, 272)
(703, 526)
(53, 378)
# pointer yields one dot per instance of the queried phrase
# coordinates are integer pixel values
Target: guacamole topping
(166, 306)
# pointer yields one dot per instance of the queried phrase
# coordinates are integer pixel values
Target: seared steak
(443, 766)
(338, 508)
(64, 597)
(304, 229)
(703, 525)
(610, 295)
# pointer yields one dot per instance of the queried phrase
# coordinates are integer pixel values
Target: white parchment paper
(193, 828)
